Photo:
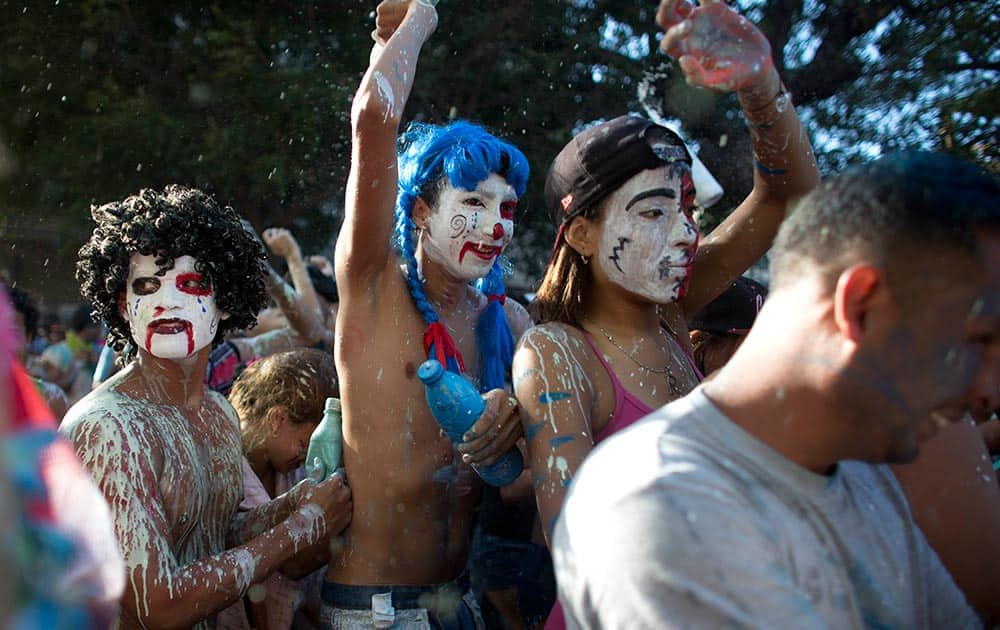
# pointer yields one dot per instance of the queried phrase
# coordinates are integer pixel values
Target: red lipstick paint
(169, 327)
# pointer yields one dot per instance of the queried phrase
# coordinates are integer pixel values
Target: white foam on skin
(245, 567)
(310, 528)
(118, 437)
(569, 376)
(385, 93)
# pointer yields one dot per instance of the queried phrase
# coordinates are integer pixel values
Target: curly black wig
(178, 221)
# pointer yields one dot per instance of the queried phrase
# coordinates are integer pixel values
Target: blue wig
(467, 155)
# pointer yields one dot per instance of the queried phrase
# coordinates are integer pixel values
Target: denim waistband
(359, 596)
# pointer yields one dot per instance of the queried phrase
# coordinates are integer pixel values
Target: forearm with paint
(388, 81)
(249, 524)
(784, 164)
(198, 590)
(555, 399)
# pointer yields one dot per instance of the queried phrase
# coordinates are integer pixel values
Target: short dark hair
(177, 221)
(882, 210)
(324, 285)
(81, 318)
(23, 304)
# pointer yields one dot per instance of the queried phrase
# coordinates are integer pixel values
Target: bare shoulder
(220, 404)
(952, 466)
(555, 349)
(550, 338)
(105, 406)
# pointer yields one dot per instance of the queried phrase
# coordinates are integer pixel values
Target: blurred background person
(718, 329)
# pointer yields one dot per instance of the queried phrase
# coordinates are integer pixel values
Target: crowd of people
(698, 449)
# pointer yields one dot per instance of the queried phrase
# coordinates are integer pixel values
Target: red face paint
(169, 327)
(193, 284)
(486, 253)
(497, 232)
(507, 209)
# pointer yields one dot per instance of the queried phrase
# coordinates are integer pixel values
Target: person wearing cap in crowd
(447, 199)
(762, 499)
(719, 328)
(602, 358)
(623, 194)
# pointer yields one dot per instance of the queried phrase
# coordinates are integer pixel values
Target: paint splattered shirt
(687, 520)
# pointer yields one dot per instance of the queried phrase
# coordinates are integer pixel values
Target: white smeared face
(172, 316)
(648, 237)
(469, 229)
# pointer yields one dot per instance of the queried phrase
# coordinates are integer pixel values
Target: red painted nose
(497, 232)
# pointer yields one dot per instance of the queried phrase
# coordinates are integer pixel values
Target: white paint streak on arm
(555, 395)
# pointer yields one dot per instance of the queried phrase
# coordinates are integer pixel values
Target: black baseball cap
(734, 311)
(598, 160)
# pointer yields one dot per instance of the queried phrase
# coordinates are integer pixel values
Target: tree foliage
(250, 101)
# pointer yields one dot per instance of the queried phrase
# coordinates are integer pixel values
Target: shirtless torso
(413, 495)
(140, 447)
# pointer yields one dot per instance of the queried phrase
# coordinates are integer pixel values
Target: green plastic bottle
(327, 443)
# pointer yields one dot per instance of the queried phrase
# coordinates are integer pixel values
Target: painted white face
(469, 228)
(172, 316)
(648, 239)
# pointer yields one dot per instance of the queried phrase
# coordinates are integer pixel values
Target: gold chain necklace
(667, 371)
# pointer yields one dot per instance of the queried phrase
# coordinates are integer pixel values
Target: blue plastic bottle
(456, 406)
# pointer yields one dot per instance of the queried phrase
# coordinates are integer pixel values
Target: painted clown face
(469, 228)
(649, 238)
(172, 316)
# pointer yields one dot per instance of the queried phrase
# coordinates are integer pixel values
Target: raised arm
(718, 49)
(363, 248)
(300, 305)
(555, 403)
(159, 591)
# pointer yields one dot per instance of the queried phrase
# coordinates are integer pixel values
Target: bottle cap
(430, 371)
(333, 404)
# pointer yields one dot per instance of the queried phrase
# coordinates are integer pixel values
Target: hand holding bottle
(458, 407)
(494, 433)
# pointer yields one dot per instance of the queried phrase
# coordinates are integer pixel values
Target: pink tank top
(628, 409)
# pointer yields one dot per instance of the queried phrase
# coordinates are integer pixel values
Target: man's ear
(581, 235)
(277, 417)
(858, 291)
(421, 213)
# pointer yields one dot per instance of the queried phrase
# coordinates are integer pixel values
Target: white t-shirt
(686, 520)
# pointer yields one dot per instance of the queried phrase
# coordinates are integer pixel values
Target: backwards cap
(597, 161)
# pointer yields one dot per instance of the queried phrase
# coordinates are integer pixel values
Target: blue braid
(466, 154)
(493, 332)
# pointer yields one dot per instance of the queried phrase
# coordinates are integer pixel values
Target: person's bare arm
(159, 591)
(363, 247)
(555, 406)
(955, 499)
(299, 303)
(718, 49)
(266, 344)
